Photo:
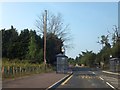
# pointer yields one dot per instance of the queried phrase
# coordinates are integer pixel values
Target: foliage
(102, 57)
(9, 38)
(28, 45)
(116, 50)
(87, 58)
(31, 54)
(54, 45)
(112, 48)
(71, 61)
(17, 68)
(55, 26)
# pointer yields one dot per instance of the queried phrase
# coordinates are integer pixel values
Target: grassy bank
(16, 68)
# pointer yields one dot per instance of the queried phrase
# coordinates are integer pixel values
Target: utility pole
(45, 29)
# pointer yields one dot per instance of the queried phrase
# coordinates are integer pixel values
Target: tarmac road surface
(84, 77)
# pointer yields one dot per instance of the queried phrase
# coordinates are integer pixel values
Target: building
(62, 63)
(115, 64)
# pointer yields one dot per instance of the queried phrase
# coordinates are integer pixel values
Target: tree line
(29, 46)
(110, 47)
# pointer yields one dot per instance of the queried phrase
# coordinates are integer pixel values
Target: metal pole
(45, 29)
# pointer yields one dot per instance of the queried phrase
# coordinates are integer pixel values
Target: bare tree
(115, 35)
(103, 40)
(55, 25)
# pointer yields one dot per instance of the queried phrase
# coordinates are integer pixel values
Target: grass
(16, 68)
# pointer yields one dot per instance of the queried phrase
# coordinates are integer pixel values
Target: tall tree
(116, 42)
(23, 42)
(9, 38)
(57, 33)
(87, 58)
(54, 45)
(55, 25)
(35, 50)
(32, 46)
(103, 56)
(109, 49)
(104, 40)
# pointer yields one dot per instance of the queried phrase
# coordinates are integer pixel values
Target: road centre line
(67, 80)
(56, 82)
(110, 85)
(101, 78)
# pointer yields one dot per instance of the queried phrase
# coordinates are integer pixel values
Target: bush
(17, 68)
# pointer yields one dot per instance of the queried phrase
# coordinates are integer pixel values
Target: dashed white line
(110, 85)
(101, 78)
(93, 72)
(89, 71)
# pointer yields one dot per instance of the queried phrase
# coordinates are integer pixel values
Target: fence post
(13, 72)
(20, 71)
(8, 71)
(3, 71)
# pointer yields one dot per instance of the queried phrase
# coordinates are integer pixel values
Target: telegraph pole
(45, 29)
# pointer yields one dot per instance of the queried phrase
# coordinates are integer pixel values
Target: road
(85, 78)
(42, 80)
(82, 77)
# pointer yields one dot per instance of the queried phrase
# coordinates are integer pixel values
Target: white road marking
(93, 72)
(66, 80)
(56, 82)
(111, 72)
(101, 78)
(110, 85)
(93, 84)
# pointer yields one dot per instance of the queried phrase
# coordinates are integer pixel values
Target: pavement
(112, 77)
(113, 73)
(81, 78)
(0, 83)
(43, 80)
